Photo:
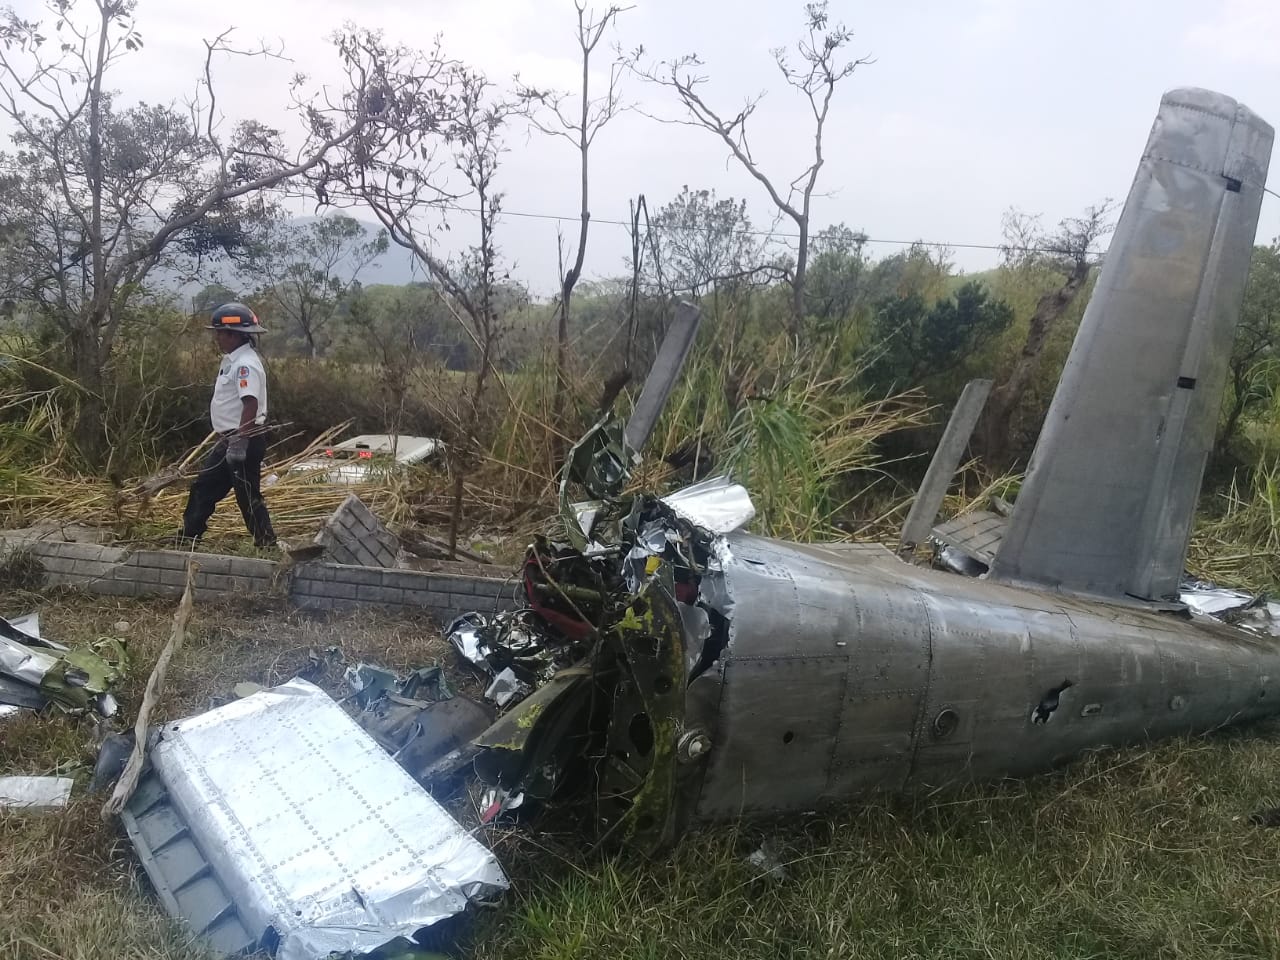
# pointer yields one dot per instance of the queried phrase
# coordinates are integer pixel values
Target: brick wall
(115, 571)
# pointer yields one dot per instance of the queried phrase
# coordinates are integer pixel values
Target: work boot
(180, 541)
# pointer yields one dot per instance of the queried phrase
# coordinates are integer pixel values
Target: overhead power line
(776, 235)
(772, 234)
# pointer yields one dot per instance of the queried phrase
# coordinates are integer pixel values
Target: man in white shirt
(239, 404)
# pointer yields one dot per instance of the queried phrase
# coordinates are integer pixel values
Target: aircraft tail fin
(1111, 489)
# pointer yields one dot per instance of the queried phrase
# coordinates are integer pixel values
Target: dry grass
(1140, 853)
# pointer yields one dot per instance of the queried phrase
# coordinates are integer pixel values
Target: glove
(237, 450)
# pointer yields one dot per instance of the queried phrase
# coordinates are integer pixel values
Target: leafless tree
(311, 267)
(102, 194)
(1069, 253)
(436, 143)
(820, 69)
(555, 114)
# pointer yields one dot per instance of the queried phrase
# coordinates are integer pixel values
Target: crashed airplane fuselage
(683, 669)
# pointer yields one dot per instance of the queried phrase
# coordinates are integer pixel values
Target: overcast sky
(971, 106)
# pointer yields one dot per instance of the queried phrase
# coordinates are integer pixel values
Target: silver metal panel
(1111, 488)
(777, 747)
(946, 458)
(312, 828)
(717, 504)
(35, 792)
(943, 678)
(663, 375)
(977, 534)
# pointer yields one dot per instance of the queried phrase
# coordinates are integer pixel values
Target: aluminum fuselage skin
(849, 671)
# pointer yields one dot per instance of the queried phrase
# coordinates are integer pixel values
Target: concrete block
(218, 582)
(147, 575)
(454, 584)
(168, 559)
(309, 587)
(485, 605)
(315, 571)
(214, 565)
(406, 579)
(382, 595)
(341, 591)
(91, 568)
(252, 567)
(253, 584)
(56, 564)
(361, 576)
(87, 551)
(173, 578)
(354, 535)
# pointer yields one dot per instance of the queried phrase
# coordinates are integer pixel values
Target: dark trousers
(216, 479)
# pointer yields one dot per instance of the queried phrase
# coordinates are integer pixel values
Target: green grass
(1143, 853)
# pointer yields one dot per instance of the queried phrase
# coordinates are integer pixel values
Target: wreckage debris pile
(36, 672)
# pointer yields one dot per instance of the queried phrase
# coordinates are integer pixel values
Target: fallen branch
(152, 485)
(128, 781)
(422, 545)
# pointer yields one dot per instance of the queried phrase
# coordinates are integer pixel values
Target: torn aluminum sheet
(513, 639)
(368, 682)
(319, 837)
(464, 634)
(35, 793)
(28, 624)
(506, 687)
(497, 801)
(953, 559)
(717, 505)
(697, 630)
(24, 664)
(73, 679)
(1264, 618)
(1211, 599)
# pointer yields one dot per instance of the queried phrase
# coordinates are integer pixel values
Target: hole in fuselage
(640, 731)
(788, 737)
(1049, 703)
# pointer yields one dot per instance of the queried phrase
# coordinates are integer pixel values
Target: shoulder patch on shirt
(242, 372)
(244, 383)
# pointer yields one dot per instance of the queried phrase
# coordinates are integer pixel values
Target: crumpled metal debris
(1212, 600)
(1250, 611)
(717, 505)
(318, 837)
(1263, 618)
(497, 801)
(35, 671)
(516, 640)
(767, 864)
(590, 677)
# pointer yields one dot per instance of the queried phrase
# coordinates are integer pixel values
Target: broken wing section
(1107, 505)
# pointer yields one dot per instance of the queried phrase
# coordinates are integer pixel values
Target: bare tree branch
(821, 69)
(549, 112)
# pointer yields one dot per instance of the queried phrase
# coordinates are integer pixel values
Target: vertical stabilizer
(1111, 490)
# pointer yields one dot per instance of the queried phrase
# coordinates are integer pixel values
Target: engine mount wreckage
(670, 668)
